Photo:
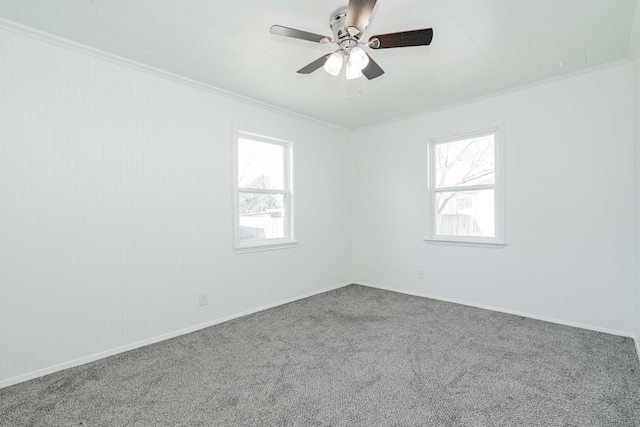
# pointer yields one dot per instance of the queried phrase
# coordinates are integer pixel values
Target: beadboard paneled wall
(116, 208)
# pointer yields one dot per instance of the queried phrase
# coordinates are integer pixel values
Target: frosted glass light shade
(353, 72)
(334, 63)
(358, 58)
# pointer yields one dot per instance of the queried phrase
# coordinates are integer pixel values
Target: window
(465, 189)
(263, 197)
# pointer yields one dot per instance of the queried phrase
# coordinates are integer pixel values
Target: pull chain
(349, 93)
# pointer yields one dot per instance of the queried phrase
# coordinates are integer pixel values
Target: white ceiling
(479, 47)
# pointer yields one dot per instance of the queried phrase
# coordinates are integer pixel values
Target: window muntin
(264, 200)
(465, 191)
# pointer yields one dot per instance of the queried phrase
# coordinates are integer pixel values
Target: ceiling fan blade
(358, 14)
(314, 65)
(402, 39)
(372, 70)
(279, 30)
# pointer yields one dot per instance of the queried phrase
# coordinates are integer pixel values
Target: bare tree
(459, 165)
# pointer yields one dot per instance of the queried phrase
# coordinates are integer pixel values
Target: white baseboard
(93, 357)
(507, 311)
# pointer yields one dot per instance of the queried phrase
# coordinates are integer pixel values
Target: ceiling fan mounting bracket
(337, 24)
(342, 35)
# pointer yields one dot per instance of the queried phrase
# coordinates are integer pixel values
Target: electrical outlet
(420, 274)
(204, 298)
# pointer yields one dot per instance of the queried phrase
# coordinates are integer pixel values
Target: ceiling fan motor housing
(340, 33)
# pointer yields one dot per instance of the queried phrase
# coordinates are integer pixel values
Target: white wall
(569, 205)
(115, 208)
(634, 53)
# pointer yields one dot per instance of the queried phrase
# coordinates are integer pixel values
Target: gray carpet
(355, 356)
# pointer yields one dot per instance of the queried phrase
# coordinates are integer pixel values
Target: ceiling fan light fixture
(334, 63)
(348, 25)
(353, 72)
(358, 58)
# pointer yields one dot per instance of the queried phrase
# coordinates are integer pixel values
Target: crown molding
(497, 94)
(51, 39)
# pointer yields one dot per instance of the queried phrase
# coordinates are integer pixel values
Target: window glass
(466, 162)
(260, 165)
(465, 213)
(464, 189)
(261, 216)
(263, 193)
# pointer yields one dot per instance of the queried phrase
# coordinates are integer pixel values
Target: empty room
(320, 212)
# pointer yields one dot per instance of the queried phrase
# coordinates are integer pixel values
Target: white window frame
(499, 218)
(288, 240)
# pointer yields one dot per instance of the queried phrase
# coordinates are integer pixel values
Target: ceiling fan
(348, 25)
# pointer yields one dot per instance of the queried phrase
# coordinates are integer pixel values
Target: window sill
(261, 247)
(468, 243)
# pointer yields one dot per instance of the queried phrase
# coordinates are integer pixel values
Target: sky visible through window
(260, 165)
(466, 162)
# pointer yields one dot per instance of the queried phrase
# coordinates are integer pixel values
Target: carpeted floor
(355, 356)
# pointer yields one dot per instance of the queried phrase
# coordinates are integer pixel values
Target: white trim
(288, 241)
(51, 39)
(498, 188)
(501, 189)
(637, 343)
(450, 240)
(103, 354)
(504, 310)
(260, 247)
(466, 135)
(261, 190)
(492, 95)
(464, 188)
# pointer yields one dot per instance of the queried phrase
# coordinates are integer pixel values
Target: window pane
(261, 216)
(260, 165)
(465, 162)
(465, 213)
